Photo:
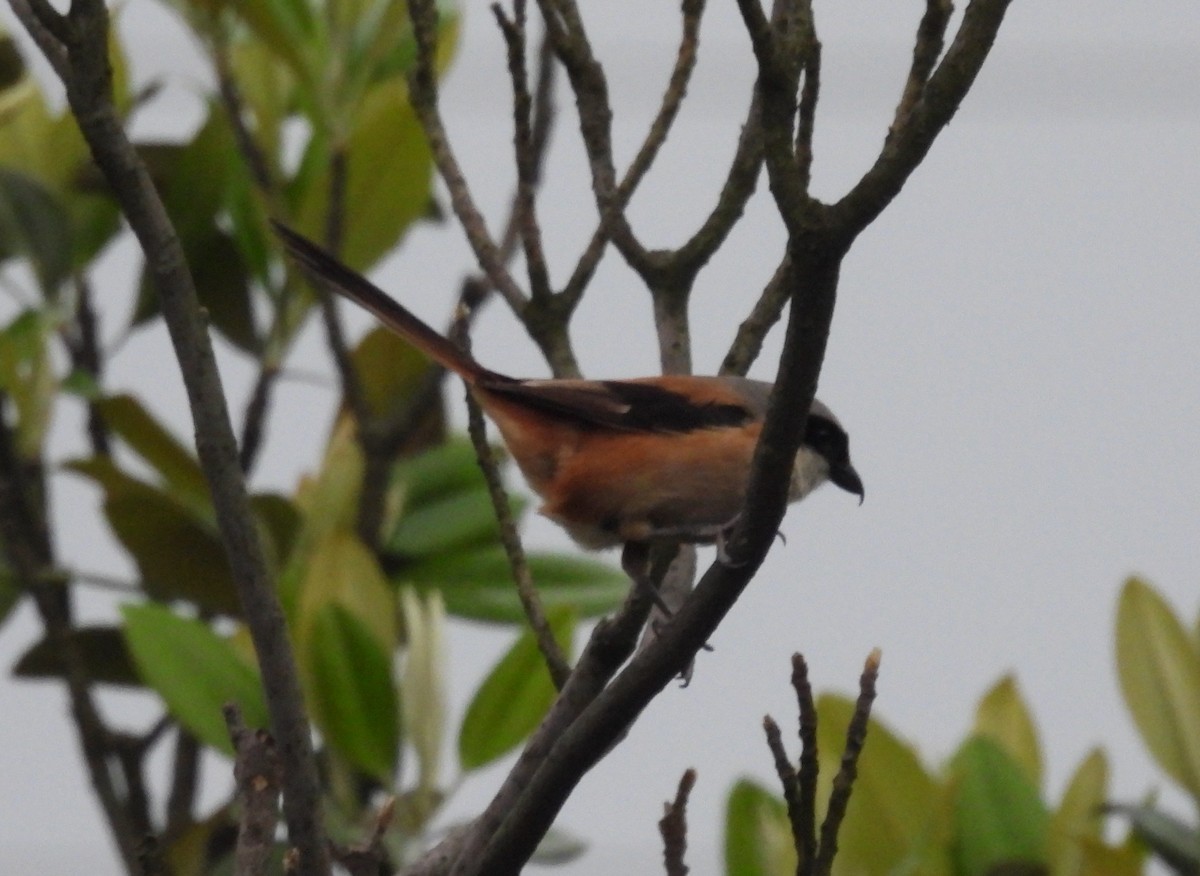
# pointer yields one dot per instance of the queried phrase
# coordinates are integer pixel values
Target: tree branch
(423, 94)
(673, 827)
(89, 94)
(910, 142)
(843, 782)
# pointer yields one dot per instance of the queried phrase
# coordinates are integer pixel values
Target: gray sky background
(1015, 354)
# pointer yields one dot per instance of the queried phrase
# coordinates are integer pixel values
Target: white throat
(809, 472)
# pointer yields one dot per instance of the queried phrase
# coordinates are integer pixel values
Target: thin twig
(556, 662)
(804, 822)
(673, 827)
(423, 93)
(748, 341)
(28, 550)
(843, 782)
(784, 770)
(369, 857)
(931, 34)
(526, 157)
(613, 639)
(83, 344)
(185, 780)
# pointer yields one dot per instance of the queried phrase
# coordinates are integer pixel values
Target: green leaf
(27, 375)
(342, 571)
(1003, 717)
(34, 224)
(477, 584)
(513, 698)
(448, 468)
(896, 821)
(390, 370)
(999, 818)
(386, 151)
(758, 835)
(1177, 843)
(353, 694)
(287, 27)
(194, 670)
(150, 440)
(1079, 815)
(1159, 672)
(458, 521)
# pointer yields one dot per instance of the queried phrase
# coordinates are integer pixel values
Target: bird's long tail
(353, 285)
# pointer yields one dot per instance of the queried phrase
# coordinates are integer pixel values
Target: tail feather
(353, 285)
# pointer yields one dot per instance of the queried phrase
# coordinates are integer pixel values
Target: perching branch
(81, 38)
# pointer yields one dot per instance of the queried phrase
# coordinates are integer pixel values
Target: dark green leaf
(178, 552)
(478, 584)
(12, 66)
(758, 835)
(1000, 820)
(150, 440)
(102, 652)
(353, 692)
(390, 369)
(34, 224)
(513, 698)
(281, 520)
(10, 592)
(194, 670)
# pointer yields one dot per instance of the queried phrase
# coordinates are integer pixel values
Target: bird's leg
(635, 561)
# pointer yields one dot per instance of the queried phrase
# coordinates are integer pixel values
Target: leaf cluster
(983, 813)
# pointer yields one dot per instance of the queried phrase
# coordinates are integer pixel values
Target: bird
(616, 463)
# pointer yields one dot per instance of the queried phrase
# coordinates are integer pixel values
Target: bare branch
(750, 334)
(27, 547)
(910, 142)
(370, 857)
(423, 93)
(612, 641)
(804, 820)
(531, 602)
(843, 782)
(931, 33)
(673, 827)
(527, 161)
(49, 29)
(257, 771)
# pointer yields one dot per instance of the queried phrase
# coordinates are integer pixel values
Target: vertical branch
(28, 549)
(88, 85)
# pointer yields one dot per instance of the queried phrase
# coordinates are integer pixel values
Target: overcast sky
(1015, 355)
